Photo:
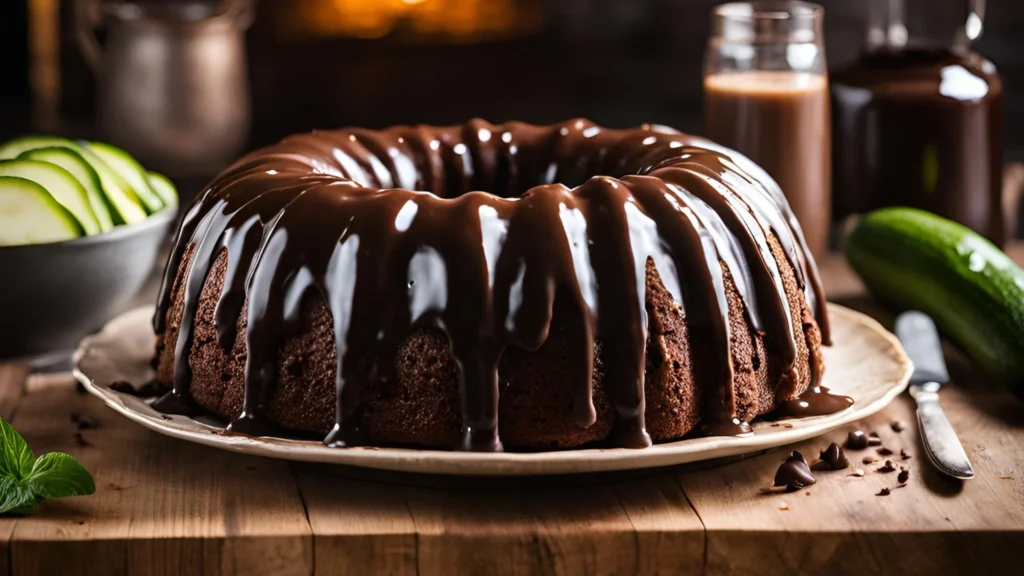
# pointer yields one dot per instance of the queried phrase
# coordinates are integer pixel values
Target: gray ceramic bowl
(53, 294)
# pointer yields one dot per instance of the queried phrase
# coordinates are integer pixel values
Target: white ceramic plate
(866, 362)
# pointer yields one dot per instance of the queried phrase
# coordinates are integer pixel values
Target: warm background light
(457, 21)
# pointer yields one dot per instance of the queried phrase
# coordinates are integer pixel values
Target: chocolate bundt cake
(610, 287)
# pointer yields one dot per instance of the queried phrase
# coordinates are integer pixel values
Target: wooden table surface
(164, 506)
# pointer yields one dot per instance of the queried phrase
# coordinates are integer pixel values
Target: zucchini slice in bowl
(86, 175)
(164, 188)
(13, 148)
(30, 215)
(60, 184)
(124, 205)
(131, 171)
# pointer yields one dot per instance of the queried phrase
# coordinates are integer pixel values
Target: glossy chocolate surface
(393, 230)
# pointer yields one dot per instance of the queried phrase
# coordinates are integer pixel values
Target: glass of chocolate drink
(766, 96)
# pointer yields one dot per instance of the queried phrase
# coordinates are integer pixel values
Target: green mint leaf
(15, 456)
(56, 475)
(16, 497)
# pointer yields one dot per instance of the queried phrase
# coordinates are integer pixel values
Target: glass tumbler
(766, 95)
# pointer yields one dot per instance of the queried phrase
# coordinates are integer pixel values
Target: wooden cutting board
(168, 507)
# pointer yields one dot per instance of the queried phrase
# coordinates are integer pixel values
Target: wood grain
(560, 530)
(12, 388)
(841, 525)
(360, 527)
(161, 506)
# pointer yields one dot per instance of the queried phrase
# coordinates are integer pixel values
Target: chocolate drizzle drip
(815, 401)
(343, 215)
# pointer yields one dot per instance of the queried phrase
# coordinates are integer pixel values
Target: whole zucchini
(914, 259)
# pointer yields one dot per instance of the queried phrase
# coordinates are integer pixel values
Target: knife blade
(920, 339)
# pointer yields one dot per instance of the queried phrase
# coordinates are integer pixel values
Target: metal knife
(920, 338)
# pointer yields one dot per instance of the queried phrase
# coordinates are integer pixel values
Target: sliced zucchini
(30, 215)
(163, 186)
(64, 188)
(124, 205)
(13, 148)
(131, 171)
(86, 175)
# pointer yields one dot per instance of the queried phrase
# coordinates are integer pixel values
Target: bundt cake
(610, 287)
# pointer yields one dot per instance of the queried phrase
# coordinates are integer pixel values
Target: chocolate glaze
(337, 214)
(815, 401)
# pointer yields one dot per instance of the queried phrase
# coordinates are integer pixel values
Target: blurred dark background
(328, 63)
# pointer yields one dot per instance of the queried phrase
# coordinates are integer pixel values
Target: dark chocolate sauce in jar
(922, 128)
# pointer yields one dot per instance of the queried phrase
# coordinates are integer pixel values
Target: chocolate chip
(856, 440)
(874, 440)
(897, 426)
(832, 458)
(794, 473)
(889, 466)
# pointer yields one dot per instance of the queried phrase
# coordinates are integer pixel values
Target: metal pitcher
(173, 87)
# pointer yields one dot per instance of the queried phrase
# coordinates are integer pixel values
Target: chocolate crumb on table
(897, 426)
(83, 422)
(883, 451)
(884, 492)
(81, 440)
(889, 466)
(904, 454)
(904, 476)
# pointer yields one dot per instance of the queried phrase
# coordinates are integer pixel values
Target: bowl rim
(160, 218)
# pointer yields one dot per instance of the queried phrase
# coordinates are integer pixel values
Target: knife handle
(937, 434)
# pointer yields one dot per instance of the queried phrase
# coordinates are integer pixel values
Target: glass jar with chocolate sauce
(917, 119)
(766, 95)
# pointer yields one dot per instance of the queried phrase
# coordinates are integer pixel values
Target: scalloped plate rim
(506, 463)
